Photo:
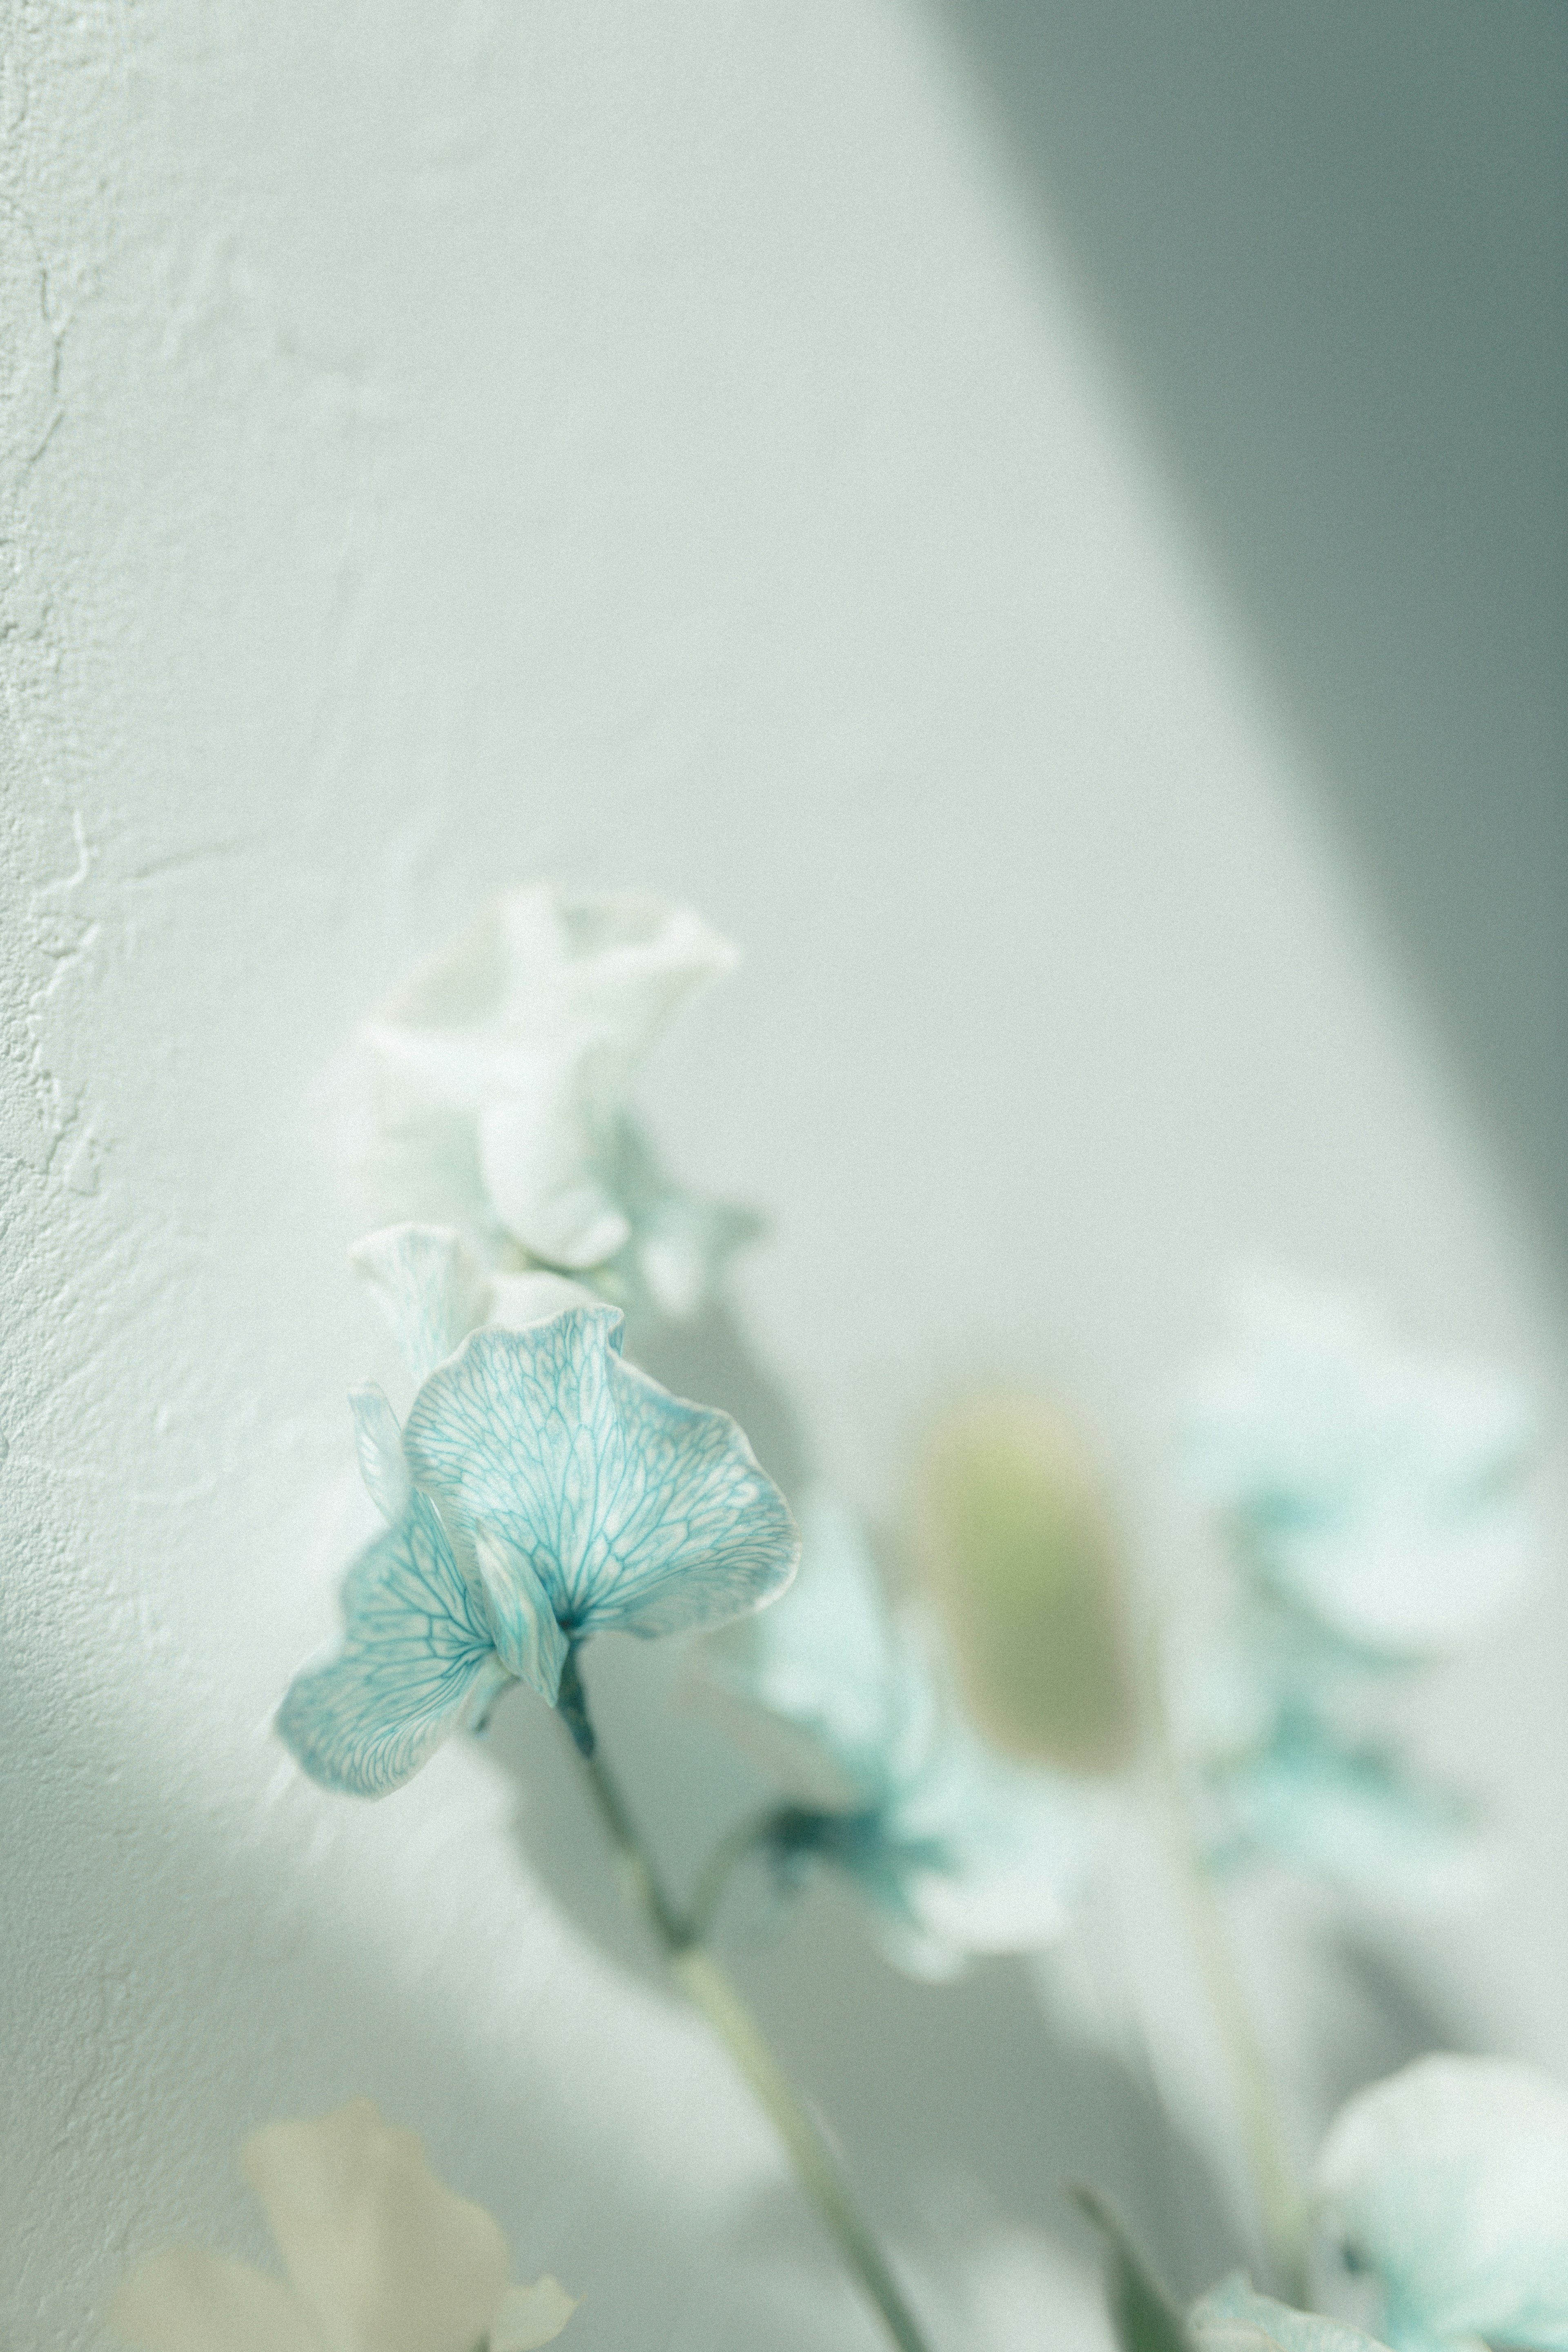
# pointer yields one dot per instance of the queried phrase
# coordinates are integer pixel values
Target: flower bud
(1013, 1547)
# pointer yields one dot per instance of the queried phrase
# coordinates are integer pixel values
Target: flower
(490, 1091)
(1232, 2318)
(1446, 2187)
(959, 1851)
(541, 1490)
(380, 2258)
(1372, 1500)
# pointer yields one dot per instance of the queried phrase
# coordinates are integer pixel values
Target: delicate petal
(1016, 1552)
(529, 1642)
(517, 1300)
(416, 1664)
(540, 1141)
(1232, 2318)
(387, 2258)
(531, 2316)
(401, 1151)
(189, 2302)
(1376, 1486)
(427, 1286)
(1449, 2181)
(1018, 1847)
(637, 1510)
(379, 1442)
(1351, 1815)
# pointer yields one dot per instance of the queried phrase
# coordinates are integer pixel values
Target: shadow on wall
(1328, 247)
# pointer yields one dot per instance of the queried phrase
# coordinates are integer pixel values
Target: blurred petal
(1232, 2318)
(531, 2316)
(1449, 2183)
(427, 1286)
(379, 1443)
(189, 2302)
(1019, 1848)
(417, 1663)
(1016, 1552)
(519, 1299)
(529, 1642)
(637, 1510)
(387, 2258)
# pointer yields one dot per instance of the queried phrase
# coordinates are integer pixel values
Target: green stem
(708, 1989)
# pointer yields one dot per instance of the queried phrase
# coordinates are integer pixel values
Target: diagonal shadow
(1328, 247)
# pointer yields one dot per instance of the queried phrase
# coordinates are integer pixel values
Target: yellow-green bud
(1015, 1548)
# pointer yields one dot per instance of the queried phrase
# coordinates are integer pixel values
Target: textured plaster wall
(444, 445)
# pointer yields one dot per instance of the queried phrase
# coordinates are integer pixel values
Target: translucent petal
(540, 1149)
(427, 1286)
(184, 2300)
(416, 1663)
(636, 1510)
(531, 2316)
(1449, 2181)
(1232, 2318)
(387, 2258)
(1019, 1846)
(529, 1642)
(379, 1442)
(519, 1299)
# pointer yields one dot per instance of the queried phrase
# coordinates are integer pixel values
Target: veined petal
(427, 1286)
(529, 1642)
(1449, 2183)
(416, 1664)
(379, 1443)
(635, 1509)
(184, 2300)
(531, 2316)
(387, 2258)
(1232, 2318)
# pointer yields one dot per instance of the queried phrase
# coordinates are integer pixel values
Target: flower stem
(704, 1983)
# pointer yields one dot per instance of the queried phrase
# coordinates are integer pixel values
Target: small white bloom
(380, 2258)
(492, 1091)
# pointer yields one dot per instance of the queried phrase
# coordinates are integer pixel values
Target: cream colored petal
(387, 2258)
(184, 2300)
(531, 2316)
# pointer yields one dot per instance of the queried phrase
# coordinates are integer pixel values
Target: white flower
(380, 2258)
(1232, 2318)
(491, 1092)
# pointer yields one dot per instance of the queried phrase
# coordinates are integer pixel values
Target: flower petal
(636, 1510)
(531, 2316)
(184, 2300)
(387, 2258)
(529, 1642)
(379, 1443)
(416, 1664)
(1232, 2318)
(427, 1286)
(1018, 1849)
(519, 1299)
(1449, 2181)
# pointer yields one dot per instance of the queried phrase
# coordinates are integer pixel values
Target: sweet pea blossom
(959, 1851)
(540, 1490)
(492, 1091)
(1233, 2318)
(380, 2258)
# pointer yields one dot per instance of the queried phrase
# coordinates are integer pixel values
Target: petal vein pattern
(633, 1508)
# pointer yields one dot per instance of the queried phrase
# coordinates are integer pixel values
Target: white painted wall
(446, 445)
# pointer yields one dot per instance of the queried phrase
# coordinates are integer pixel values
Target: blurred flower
(490, 1091)
(1232, 2318)
(542, 1490)
(1372, 1501)
(1016, 1551)
(1446, 2188)
(959, 1851)
(380, 2258)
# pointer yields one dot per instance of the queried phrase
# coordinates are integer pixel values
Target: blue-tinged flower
(1376, 1489)
(1232, 2318)
(1444, 2189)
(380, 2258)
(541, 1490)
(492, 1091)
(959, 1851)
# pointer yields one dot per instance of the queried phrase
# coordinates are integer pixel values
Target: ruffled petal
(529, 1642)
(427, 1286)
(379, 1443)
(1232, 2318)
(417, 1663)
(636, 1510)
(184, 2300)
(1449, 2183)
(531, 2316)
(387, 2258)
